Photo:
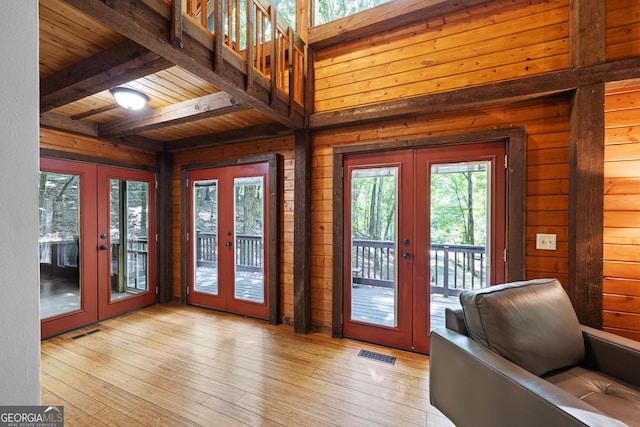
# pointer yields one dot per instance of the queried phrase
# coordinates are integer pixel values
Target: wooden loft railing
(259, 40)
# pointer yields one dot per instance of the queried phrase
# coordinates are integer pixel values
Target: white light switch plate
(546, 242)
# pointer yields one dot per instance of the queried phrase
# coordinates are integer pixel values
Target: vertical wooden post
(164, 217)
(251, 42)
(302, 234)
(587, 33)
(303, 13)
(586, 203)
(218, 31)
(291, 67)
(274, 54)
(176, 23)
(337, 304)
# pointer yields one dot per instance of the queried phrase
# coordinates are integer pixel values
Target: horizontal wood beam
(63, 123)
(252, 133)
(481, 96)
(395, 14)
(109, 68)
(148, 23)
(215, 104)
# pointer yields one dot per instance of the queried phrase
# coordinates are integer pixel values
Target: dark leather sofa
(515, 355)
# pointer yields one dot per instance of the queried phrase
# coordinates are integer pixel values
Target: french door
(97, 243)
(419, 224)
(228, 217)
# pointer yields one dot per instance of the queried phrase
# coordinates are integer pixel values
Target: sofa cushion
(530, 323)
(615, 398)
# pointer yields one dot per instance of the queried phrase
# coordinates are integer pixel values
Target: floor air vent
(85, 334)
(377, 356)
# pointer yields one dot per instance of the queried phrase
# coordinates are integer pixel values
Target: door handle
(227, 244)
(406, 255)
(103, 247)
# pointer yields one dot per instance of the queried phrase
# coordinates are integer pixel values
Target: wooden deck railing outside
(61, 258)
(249, 251)
(453, 267)
(262, 39)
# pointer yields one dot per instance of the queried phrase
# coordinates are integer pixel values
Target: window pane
(330, 10)
(249, 226)
(59, 243)
(129, 233)
(460, 219)
(374, 285)
(205, 202)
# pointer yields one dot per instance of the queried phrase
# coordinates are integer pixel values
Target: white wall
(19, 265)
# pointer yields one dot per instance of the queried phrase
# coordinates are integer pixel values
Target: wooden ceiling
(82, 57)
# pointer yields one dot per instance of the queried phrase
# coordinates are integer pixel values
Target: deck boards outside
(370, 303)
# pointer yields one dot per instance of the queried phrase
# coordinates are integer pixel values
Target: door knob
(227, 244)
(406, 255)
(103, 247)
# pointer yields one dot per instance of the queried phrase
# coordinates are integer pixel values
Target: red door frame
(414, 273)
(88, 312)
(399, 335)
(95, 263)
(225, 299)
(106, 307)
(494, 152)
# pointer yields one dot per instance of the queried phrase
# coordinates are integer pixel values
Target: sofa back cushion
(530, 323)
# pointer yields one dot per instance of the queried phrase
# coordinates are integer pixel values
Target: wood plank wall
(623, 29)
(621, 286)
(283, 146)
(95, 147)
(546, 123)
(493, 42)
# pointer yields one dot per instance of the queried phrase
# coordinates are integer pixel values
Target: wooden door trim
(515, 141)
(274, 196)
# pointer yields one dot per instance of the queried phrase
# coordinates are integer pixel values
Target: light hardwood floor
(173, 366)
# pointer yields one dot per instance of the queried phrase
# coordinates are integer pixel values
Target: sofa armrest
(473, 386)
(612, 354)
(454, 320)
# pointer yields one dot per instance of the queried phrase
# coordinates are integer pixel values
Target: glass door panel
(249, 237)
(59, 242)
(129, 237)
(205, 230)
(460, 212)
(373, 245)
(126, 240)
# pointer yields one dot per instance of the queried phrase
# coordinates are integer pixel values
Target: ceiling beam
(123, 63)
(215, 104)
(147, 22)
(252, 133)
(60, 122)
(481, 96)
(63, 123)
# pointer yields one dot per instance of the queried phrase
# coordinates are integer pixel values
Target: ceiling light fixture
(128, 98)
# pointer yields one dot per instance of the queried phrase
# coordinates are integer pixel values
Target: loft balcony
(215, 72)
